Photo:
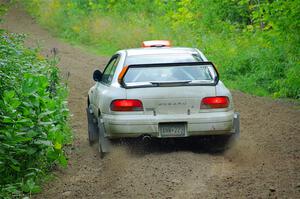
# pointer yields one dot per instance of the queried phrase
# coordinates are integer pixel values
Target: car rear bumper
(212, 123)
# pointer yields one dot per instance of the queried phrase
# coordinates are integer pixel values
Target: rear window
(163, 75)
(162, 58)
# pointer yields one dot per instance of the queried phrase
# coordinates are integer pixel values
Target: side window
(110, 69)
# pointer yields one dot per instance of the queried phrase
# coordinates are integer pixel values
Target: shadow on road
(208, 145)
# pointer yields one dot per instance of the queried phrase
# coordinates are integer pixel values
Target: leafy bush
(33, 117)
(256, 44)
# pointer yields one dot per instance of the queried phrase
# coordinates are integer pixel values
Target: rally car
(159, 91)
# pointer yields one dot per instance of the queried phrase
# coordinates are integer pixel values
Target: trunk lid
(171, 100)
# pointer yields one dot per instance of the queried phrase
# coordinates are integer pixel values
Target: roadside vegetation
(254, 43)
(33, 117)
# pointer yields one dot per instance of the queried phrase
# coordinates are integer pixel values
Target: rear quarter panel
(222, 90)
(106, 94)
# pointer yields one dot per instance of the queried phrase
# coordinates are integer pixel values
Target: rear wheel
(92, 127)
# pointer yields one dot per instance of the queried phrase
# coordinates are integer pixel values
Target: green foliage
(255, 43)
(33, 117)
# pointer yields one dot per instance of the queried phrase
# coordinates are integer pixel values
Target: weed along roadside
(33, 117)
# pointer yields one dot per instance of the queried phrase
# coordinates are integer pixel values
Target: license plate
(172, 129)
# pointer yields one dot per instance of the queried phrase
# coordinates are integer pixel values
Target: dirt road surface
(263, 164)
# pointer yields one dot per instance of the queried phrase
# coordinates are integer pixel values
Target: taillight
(214, 102)
(126, 105)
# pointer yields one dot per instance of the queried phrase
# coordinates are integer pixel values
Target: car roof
(160, 50)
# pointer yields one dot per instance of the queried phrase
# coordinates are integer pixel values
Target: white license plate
(172, 129)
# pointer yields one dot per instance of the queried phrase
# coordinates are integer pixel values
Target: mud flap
(236, 125)
(92, 126)
(104, 142)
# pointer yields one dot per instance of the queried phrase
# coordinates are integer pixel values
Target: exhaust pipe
(146, 138)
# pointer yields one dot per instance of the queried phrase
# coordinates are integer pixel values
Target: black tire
(92, 137)
(92, 127)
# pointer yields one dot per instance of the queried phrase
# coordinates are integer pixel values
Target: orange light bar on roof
(156, 43)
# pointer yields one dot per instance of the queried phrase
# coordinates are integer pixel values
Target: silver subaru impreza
(159, 91)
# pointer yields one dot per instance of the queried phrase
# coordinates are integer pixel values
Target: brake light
(214, 102)
(126, 105)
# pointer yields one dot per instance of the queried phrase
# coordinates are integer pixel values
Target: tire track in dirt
(263, 164)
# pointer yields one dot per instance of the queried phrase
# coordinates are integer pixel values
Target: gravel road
(263, 164)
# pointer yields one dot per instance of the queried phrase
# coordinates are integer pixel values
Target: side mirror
(97, 76)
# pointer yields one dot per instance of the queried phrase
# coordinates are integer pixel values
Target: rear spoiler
(125, 69)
